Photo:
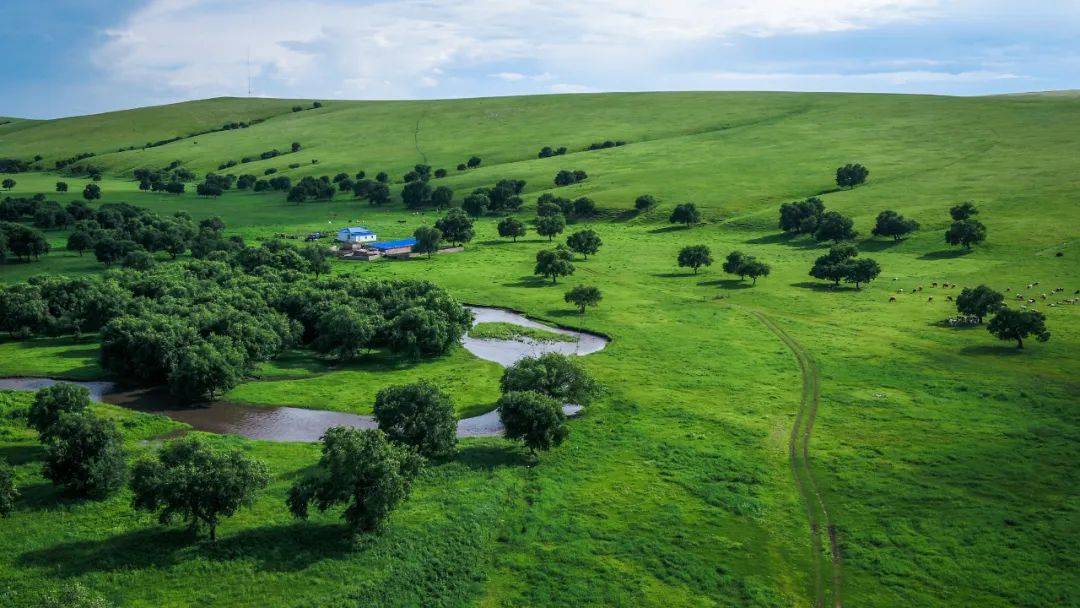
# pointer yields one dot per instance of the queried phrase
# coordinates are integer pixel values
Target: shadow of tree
(145, 548)
(727, 284)
(666, 229)
(675, 275)
(490, 456)
(285, 547)
(825, 287)
(22, 454)
(1006, 349)
(945, 254)
(875, 245)
(529, 281)
(789, 239)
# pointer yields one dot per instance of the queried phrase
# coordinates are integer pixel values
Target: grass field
(946, 461)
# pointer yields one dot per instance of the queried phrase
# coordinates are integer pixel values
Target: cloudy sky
(64, 57)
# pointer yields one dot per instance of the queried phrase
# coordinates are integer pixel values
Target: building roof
(409, 242)
(356, 231)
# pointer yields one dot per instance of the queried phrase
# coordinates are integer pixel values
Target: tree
(199, 484)
(834, 266)
(80, 241)
(584, 207)
(8, 492)
(551, 265)
(91, 192)
(801, 217)
(442, 196)
(965, 232)
(536, 419)
(511, 227)
(963, 211)
(861, 270)
(362, 470)
(685, 213)
(456, 226)
(23, 312)
(754, 268)
(550, 225)
(645, 201)
(206, 369)
(585, 242)
(85, 456)
(108, 250)
(416, 194)
(419, 415)
(427, 240)
(295, 147)
(557, 376)
(344, 332)
(53, 402)
(24, 241)
(317, 258)
(695, 256)
(382, 177)
(851, 175)
(1009, 324)
(832, 226)
(891, 223)
(979, 302)
(61, 187)
(474, 162)
(139, 259)
(8, 183)
(476, 204)
(733, 263)
(582, 296)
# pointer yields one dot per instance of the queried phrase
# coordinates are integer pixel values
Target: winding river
(300, 424)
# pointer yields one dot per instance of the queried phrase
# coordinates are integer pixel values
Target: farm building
(356, 234)
(397, 247)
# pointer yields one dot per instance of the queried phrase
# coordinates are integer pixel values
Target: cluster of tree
(375, 191)
(685, 213)
(851, 175)
(567, 178)
(22, 242)
(533, 391)
(842, 264)
(548, 204)
(123, 233)
(605, 144)
(215, 184)
(314, 105)
(67, 162)
(1007, 324)
(281, 183)
(965, 229)
(644, 202)
(168, 179)
(14, 165)
(456, 226)
(810, 217)
(504, 197)
(548, 152)
(46, 215)
(891, 223)
(472, 163)
(311, 189)
(745, 265)
(554, 263)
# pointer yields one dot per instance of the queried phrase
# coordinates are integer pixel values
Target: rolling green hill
(943, 462)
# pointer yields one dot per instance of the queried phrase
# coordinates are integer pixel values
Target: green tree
(965, 232)
(832, 226)
(91, 192)
(419, 415)
(685, 213)
(85, 455)
(536, 419)
(891, 223)
(979, 302)
(755, 268)
(585, 242)
(551, 265)
(861, 270)
(582, 296)
(53, 402)
(550, 225)
(695, 256)
(139, 259)
(734, 262)
(416, 194)
(474, 162)
(645, 201)
(1009, 324)
(963, 211)
(8, 183)
(456, 226)
(441, 197)
(851, 175)
(198, 484)
(23, 312)
(801, 217)
(61, 187)
(8, 492)
(512, 228)
(362, 470)
(554, 375)
(344, 332)
(317, 258)
(476, 204)
(834, 266)
(427, 240)
(206, 369)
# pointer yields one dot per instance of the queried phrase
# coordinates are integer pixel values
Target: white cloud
(564, 87)
(391, 48)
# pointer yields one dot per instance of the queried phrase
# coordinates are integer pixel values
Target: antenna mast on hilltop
(249, 69)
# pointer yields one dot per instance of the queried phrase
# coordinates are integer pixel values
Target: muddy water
(300, 424)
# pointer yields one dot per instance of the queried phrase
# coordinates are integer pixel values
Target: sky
(69, 57)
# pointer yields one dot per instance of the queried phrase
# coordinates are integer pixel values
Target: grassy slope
(953, 487)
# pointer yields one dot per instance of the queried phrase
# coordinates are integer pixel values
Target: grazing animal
(901, 290)
(930, 299)
(919, 288)
(1031, 300)
(1020, 297)
(1007, 289)
(1043, 296)
(948, 298)
(934, 284)
(1030, 286)
(892, 298)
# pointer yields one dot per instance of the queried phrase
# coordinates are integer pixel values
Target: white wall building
(356, 234)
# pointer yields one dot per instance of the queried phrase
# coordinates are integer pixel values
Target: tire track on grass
(799, 456)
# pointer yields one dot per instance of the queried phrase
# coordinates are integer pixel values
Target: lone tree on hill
(8, 183)
(685, 213)
(419, 415)
(965, 232)
(552, 264)
(474, 162)
(427, 240)
(1009, 324)
(979, 302)
(644, 202)
(963, 211)
(851, 175)
(362, 470)
(456, 226)
(536, 419)
(197, 483)
(61, 187)
(582, 296)
(832, 226)
(585, 242)
(91, 192)
(695, 256)
(512, 228)
(891, 223)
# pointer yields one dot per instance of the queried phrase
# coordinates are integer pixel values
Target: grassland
(947, 461)
(509, 331)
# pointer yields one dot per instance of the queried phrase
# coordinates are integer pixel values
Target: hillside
(943, 462)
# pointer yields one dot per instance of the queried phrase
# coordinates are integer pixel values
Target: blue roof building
(356, 234)
(398, 246)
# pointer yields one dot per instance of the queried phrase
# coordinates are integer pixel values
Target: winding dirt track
(826, 566)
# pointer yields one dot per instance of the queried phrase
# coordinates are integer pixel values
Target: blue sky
(75, 57)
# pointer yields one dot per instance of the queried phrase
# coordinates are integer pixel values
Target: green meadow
(947, 461)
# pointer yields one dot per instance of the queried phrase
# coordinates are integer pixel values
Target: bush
(536, 419)
(554, 375)
(53, 402)
(85, 456)
(419, 415)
